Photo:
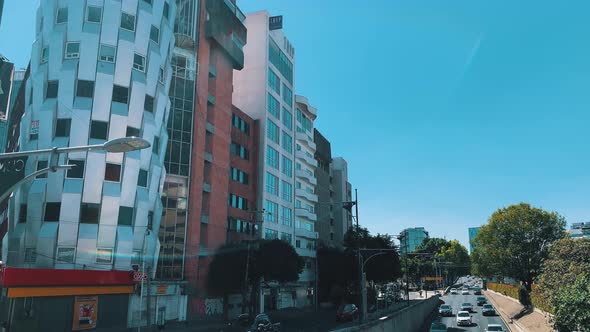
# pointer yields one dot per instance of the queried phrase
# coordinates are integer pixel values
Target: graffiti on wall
(210, 307)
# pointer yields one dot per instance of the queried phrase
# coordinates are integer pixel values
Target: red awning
(15, 277)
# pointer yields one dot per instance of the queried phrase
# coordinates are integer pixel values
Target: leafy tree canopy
(515, 241)
(572, 306)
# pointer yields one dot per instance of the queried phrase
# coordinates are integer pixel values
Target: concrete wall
(408, 319)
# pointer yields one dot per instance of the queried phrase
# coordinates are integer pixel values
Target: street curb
(509, 325)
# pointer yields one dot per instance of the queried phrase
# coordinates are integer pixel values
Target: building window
(148, 1)
(287, 95)
(297, 243)
(41, 164)
(62, 127)
(132, 132)
(272, 157)
(150, 220)
(52, 88)
(238, 202)
(99, 129)
(142, 179)
(112, 172)
(287, 166)
(161, 75)
(120, 94)
(274, 82)
(89, 213)
(155, 34)
(166, 10)
(127, 21)
(287, 191)
(65, 254)
(72, 50)
(273, 105)
(62, 15)
(271, 212)
(239, 150)
(238, 175)
(272, 184)
(52, 211)
(125, 216)
(148, 104)
(270, 234)
(85, 89)
(156, 146)
(104, 256)
(286, 237)
(286, 216)
(287, 118)
(240, 124)
(22, 215)
(139, 62)
(107, 53)
(30, 255)
(287, 142)
(94, 14)
(45, 54)
(272, 131)
(76, 172)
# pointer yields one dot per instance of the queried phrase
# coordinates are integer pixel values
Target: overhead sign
(275, 22)
(85, 313)
(139, 276)
(12, 170)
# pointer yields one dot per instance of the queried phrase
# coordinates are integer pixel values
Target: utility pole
(148, 298)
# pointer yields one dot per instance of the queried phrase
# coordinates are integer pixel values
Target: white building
(264, 90)
(100, 69)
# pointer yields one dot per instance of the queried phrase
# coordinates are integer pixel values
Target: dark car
(488, 310)
(445, 310)
(347, 312)
(481, 300)
(477, 291)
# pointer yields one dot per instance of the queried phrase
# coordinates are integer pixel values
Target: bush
(539, 301)
(506, 289)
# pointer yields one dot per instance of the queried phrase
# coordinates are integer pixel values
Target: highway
(480, 322)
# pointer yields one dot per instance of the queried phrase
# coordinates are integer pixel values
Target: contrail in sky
(470, 57)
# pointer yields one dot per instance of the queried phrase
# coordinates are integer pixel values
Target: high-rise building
(264, 91)
(7, 95)
(342, 193)
(324, 209)
(99, 71)
(411, 238)
(472, 234)
(1, 8)
(580, 230)
(306, 198)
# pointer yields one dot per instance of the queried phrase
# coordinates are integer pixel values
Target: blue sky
(445, 110)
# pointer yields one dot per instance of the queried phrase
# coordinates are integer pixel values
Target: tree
(567, 259)
(451, 256)
(337, 272)
(273, 260)
(572, 305)
(515, 241)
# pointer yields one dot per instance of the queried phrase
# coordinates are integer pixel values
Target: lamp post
(13, 181)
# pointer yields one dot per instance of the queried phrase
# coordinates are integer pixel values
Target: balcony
(310, 197)
(211, 99)
(208, 157)
(226, 27)
(304, 175)
(302, 232)
(206, 187)
(300, 212)
(305, 252)
(212, 71)
(300, 155)
(204, 219)
(305, 138)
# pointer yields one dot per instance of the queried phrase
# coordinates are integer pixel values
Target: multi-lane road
(480, 322)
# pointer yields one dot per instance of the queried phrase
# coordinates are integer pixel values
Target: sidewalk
(508, 307)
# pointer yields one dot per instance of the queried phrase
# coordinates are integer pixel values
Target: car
(466, 307)
(476, 291)
(494, 328)
(463, 318)
(445, 310)
(262, 323)
(488, 310)
(454, 291)
(465, 292)
(347, 312)
(481, 300)
(438, 327)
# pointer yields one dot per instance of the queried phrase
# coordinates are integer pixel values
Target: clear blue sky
(445, 110)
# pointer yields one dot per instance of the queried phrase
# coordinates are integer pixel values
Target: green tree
(273, 260)
(567, 259)
(572, 305)
(451, 256)
(515, 241)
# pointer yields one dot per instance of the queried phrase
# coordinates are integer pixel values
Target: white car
(494, 328)
(463, 318)
(454, 291)
(465, 292)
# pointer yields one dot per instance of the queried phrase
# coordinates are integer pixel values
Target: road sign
(139, 276)
(432, 278)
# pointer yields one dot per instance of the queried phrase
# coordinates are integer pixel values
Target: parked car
(347, 312)
(488, 310)
(438, 327)
(494, 328)
(445, 310)
(463, 318)
(466, 307)
(481, 300)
